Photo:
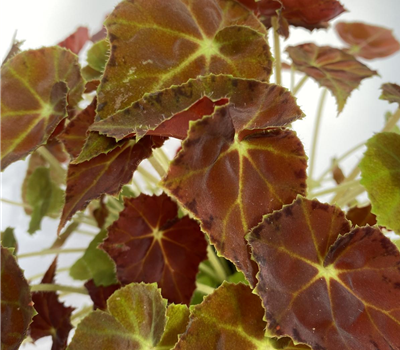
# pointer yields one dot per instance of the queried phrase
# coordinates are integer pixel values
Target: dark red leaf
(150, 244)
(76, 40)
(100, 294)
(100, 214)
(391, 93)
(361, 216)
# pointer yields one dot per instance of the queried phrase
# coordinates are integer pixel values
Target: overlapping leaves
(380, 175)
(324, 286)
(150, 244)
(34, 89)
(391, 93)
(335, 69)
(16, 303)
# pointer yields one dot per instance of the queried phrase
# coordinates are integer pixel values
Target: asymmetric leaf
(180, 40)
(34, 89)
(253, 105)
(323, 286)
(335, 69)
(135, 321)
(228, 179)
(106, 173)
(95, 264)
(76, 40)
(150, 244)
(230, 318)
(361, 216)
(391, 93)
(16, 303)
(53, 318)
(100, 294)
(177, 321)
(380, 175)
(367, 41)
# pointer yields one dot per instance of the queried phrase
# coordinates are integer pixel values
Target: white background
(46, 22)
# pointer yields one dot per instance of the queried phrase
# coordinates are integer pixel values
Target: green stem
(315, 135)
(39, 275)
(299, 85)
(51, 251)
(49, 287)
(147, 176)
(277, 51)
(203, 288)
(292, 77)
(86, 233)
(116, 203)
(162, 157)
(208, 271)
(60, 240)
(54, 163)
(392, 121)
(157, 166)
(23, 205)
(334, 189)
(350, 196)
(216, 264)
(81, 313)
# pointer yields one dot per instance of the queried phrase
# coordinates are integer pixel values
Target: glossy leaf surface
(106, 173)
(34, 87)
(180, 40)
(253, 105)
(361, 216)
(136, 320)
(323, 286)
(380, 175)
(391, 93)
(149, 243)
(95, 264)
(367, 41)
(100, 294)
(229, 180)
(332, 68)
(16, 303)
(53, 318)
(76, 41)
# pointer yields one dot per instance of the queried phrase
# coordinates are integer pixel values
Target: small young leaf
(100, 294)
(95, 264)
(98, 54)
(135, 321)
(16, 303)
(34, 89)
(323, 286)
(8, 240)
(335, 69)
(149, 243)
(367, 41)
(391, 93)
(53, 318)
(380, 175)
(361, 216)
(76, 40)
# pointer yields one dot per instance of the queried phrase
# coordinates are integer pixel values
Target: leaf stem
(54, 163)
(334, 189)
(147, 176)
(277, 51)
(203, 288)
(216, 264)
(208, 271)
(157, 166)
(81, 313)
(160, 155)
(23, 205)
(51, 251)
(343, 200)
(315, 135)
(49, 287)
(299, 85)
(34, 277)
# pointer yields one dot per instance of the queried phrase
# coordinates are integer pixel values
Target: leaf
(150, 244)
(177, 321)
(100, 294)
(230, 318)
(361, 216)
(180, 40)
(100, 214)
(310, 14)
(8, 240)
(367, 41)
(97, 55)
(323, 286)
(14, 49)
(76, 41)
(380, 175)
(228, 180)
(34, 88)
(95, 264)
(135, 320)
(74, 134)
(391, 93)
(335, 69)
(53, 318)
(337, 173)
(16, 303)
(254, 105)
(106, 173)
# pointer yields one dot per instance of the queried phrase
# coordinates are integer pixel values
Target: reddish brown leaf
(74, 135)
(324, 286)
(100, 214)
(150, 244)
(106, 173)
(100, 294)
(361, 216)
(76, 40)
(335, 69)
(16, 302)
(56, 148)
(228, 180)
(53, 318)
(337, 174)
(391, 93)
(14, 49)
(368, 41)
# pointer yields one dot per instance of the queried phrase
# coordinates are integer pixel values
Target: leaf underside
(391, 93)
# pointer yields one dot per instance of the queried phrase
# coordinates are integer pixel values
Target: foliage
(226, 247)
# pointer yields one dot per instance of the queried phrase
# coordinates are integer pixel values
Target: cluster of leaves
(312, 275)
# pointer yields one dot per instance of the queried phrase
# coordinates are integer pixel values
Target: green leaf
(16, 303)
(380, 175)
(135, 320)
(35, 85)
(95, 264)
(323, 285)
(98, 54)
(8, 239)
